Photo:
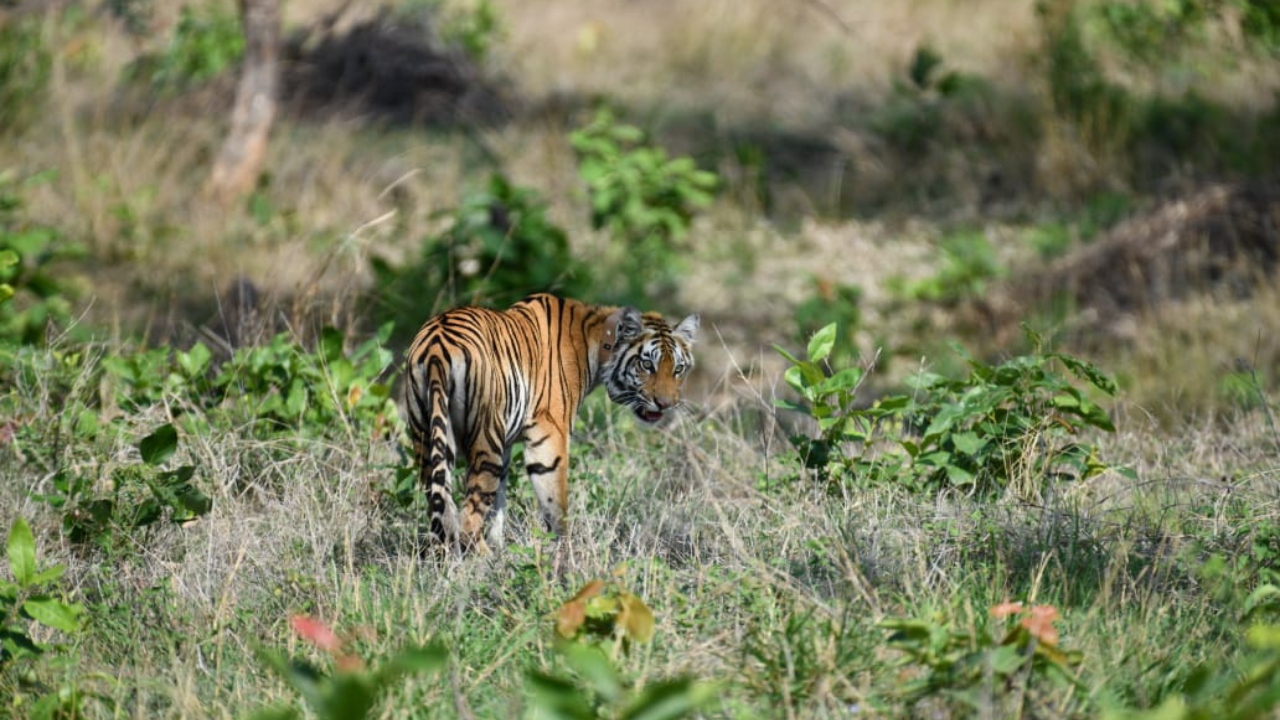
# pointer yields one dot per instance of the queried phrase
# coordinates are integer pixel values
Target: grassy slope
(714, 536)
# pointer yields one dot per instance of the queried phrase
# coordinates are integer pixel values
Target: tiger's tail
(433, 446)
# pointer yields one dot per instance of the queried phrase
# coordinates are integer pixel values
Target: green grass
(773, 593)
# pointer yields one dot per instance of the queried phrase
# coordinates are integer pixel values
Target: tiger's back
(479, 381)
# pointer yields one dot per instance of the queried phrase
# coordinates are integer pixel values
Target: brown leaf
(570, 618)
(635, 618)
(574, 613)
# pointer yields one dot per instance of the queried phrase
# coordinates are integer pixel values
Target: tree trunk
(236, 169)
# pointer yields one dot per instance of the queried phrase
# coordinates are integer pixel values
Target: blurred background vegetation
(946, 204)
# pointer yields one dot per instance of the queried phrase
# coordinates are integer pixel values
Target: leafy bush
(986, 667)
(26, 599)
(1013, 426)
(352, 690)
(1212, 692)
(969, 262)
(139, 495)
(831, 302)
(592, 628)
(645, 199)
(24, 73)
(29, 255)
(280, 386)
(206, 41)
(498, 247)
(915, 115)
(30, 599)
(475, 29)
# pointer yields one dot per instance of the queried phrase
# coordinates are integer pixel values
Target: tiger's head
(648, 362)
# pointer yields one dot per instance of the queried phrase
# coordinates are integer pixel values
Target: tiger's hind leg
(434, 475)
(485, 497)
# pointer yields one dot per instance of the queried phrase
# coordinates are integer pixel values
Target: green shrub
(24, 73)
(138, 496)
(1261, 23)
(603, 619)
(279, 387)
(1013, 426)
(475, 28)
(206, 42)
(988, 668)
(282, 387)
(37, 293)
(914, 117)
(351, 691)
(830, 302)
(498, 247)
(969, 262)
(32, 598)
(645, 199)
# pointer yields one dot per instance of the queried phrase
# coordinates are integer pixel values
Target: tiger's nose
(663, 403)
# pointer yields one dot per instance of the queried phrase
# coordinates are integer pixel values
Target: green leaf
(6, 291)
(821, 343)
(411, 660)
(790, 358)
(846, 379)
(303, 678)
(1264, 637)
(348, 695)
(55, 614)
(48, 575)
(1086, 371)
(594, 667)
(22, 552)
(159, 446)
(195, 362)
(330, 343)
(1265, 596)
(959, 477)
(556, 699)
(669, 700)
(1006, 660)
(968, 443)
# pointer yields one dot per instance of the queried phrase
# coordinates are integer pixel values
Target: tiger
(479, 381)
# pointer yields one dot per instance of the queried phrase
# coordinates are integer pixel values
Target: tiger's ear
(688, 328)
(628, 324)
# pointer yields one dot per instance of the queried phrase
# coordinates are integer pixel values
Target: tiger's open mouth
(649, 416)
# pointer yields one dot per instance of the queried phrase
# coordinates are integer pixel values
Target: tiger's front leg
(546, 459)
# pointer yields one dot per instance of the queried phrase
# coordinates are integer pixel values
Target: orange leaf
(1005, 609)
(316, 633)
(1040, 624)
(349, 663)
